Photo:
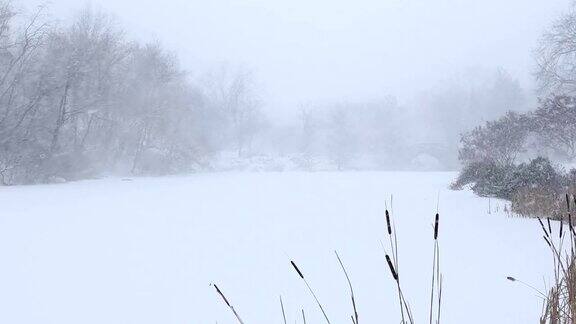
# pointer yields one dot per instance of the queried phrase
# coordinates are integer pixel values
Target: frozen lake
(145, 251)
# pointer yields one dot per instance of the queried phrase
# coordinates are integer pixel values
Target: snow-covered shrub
(500, 141)
(486, 178)
(490, 179)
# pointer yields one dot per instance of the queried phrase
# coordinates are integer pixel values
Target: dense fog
(146, 88)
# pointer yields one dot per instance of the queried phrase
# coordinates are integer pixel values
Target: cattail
(543, 228)
(228, 304)
(388, 222)
(297, 270)
(569, 215)
(549, 226)
(561, 226)
(547, 241)
(311, 291)
(222, 295)
(436, 227)
(392, 270)
(570, 226)
(511, 278)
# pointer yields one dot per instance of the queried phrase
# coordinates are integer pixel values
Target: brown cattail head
(561, 226)
(221, 295)
(543, 228)
(511, 278)
(436, 226)
(388, 222)
(297, 270)
(549, 226)
(391, 266)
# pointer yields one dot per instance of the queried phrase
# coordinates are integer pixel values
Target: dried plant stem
(439, 298)
(436, 275)
(283, 312)
(439, 280)
(355, 316)
(228, 304)
(433, 280)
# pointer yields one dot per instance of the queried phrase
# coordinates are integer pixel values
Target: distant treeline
(81, 100)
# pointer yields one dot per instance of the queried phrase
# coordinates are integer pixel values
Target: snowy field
(145, 251)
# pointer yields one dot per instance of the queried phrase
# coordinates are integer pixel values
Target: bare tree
(556, 56)
(232, 95)
(80, 100)
(21, 91)
(341, 141)
(499, 141)
(555, 123)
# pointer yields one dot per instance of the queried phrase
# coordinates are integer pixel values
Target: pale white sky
(326, 50)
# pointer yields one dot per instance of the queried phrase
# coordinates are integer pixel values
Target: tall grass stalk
(283, 312)
(355, 316)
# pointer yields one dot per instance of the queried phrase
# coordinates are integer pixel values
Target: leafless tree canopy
(81, 100)
(556, 57)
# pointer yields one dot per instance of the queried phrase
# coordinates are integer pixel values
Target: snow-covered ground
(146, 251)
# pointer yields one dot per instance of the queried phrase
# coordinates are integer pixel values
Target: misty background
(325, 51)
(280, 85)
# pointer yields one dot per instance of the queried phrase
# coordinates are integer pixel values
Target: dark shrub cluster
(490, 179)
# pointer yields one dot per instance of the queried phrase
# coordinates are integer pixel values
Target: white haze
(305, 51)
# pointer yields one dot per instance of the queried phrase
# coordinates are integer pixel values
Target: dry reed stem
(228, 304)
(355, 316)
(283, 313)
